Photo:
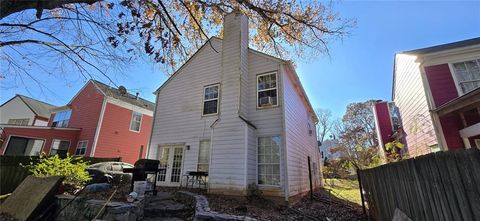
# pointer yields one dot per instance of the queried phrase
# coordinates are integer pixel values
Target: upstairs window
(136, 121)
(203, 156)
(59, 147)
(61, 119)
(467, 75)
(81, 147)
(210, 100)
(267, 90)
(21, 122)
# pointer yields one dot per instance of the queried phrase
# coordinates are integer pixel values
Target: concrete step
(165, 208)
(163, 219)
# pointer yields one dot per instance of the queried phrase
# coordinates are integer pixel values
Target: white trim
(86, 147)
(131, 121)
(129, 106)
(477, 143)
(217, 98)
(37, 127)
(246, 154)
(269, 89)
(437, 126)
(471, 131)
(454, 75)
(21, 136)
(53, 141)
(279, 162)
(99, 127)
(151, 128)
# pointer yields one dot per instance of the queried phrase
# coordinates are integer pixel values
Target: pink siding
(384, 123)
(47, 134)
(116, 139)
(471, 117)
(450, 126)
(86, 108)
(441, 84)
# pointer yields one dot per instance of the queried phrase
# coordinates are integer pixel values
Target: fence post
(361, 191)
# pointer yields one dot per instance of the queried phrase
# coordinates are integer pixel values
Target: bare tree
(90, 37)
(324, 124)
(358, 142)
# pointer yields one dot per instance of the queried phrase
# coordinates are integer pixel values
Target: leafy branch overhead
(93, 35)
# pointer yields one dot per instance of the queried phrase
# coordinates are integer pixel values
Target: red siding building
(99, 121)
(441, 86)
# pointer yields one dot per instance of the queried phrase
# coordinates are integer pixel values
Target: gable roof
(433, 49)
(128, 98)
(443, 47)
(39, 108)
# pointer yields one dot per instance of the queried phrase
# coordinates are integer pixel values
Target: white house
(25, 111)
(241, 115)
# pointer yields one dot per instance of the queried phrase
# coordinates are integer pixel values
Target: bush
(72, 168)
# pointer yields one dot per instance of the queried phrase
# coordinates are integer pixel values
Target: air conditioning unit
(266, 101)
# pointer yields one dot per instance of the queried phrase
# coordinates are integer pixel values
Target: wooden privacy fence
(437, 186)
(12, 173)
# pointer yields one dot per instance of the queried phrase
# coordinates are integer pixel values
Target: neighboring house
(326, 150)
(25, 111)
(99, 121)
(437, 92)
(240, 115)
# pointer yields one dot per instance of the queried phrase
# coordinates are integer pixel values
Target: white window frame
(209, 149)
(132, 120)
(275, 88)
(279, 162)
(454, 75)
(217, 98)
(78, 144)
(60, 140)
(63, 121)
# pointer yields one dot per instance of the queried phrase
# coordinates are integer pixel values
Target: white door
(171, 158)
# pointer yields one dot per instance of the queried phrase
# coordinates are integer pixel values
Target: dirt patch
(324, 205)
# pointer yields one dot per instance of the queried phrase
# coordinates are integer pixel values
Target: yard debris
(31, 198)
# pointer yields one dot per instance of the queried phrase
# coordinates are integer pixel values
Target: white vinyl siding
(410, 98)
(267, 90)
(210, 99)
(203, 156)
(81, 147)
(269, 160)
(136, 121)
(299, 144)
(467, 75)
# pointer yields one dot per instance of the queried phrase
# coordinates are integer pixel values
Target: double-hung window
(467, 75)
(60, 147)
(269, 160)
(203, 155)
(136, 121)
(81, 147)
(267, 90)
(210, 99)
(61, 119)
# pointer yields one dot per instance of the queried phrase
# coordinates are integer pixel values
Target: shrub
(72, 168)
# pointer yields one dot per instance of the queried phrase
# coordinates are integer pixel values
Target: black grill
(141, 169)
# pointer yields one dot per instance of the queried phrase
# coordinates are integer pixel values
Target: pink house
(99, 121)
(437, 93)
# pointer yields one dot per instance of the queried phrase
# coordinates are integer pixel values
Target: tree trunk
(8, 7)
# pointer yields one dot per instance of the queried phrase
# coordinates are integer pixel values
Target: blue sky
(360, 66)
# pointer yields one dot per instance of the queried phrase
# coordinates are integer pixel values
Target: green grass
(344, 189)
